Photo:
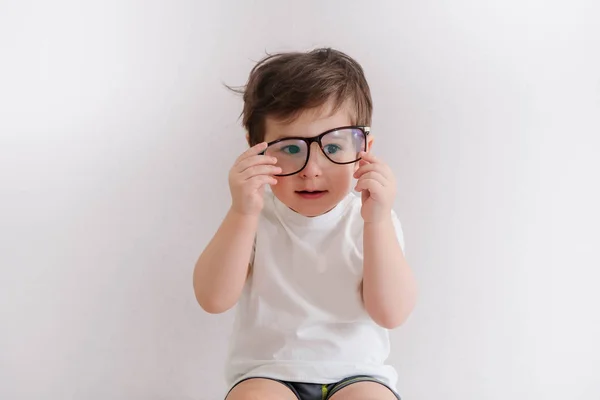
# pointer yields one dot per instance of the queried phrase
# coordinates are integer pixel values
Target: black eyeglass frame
(309, 141)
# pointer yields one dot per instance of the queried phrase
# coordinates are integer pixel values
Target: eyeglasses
(340, 146)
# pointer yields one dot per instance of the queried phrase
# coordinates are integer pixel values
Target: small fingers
(364, 168)
(252, 151)
(260, 170)
(379, 167)
(260, 180)
(254, 160)
(375, 175)
(368, 157)
(368, 184)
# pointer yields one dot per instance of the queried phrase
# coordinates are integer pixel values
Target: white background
(117, 135)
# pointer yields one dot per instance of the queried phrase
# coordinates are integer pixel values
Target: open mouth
(311, 194)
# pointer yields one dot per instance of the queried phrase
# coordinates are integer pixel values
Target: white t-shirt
(300, 317)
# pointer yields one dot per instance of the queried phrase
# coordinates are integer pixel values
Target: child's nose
(314, 165)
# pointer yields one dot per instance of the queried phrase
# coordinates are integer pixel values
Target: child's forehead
(308, 123)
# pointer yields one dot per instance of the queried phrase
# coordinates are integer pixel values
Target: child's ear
(248, 139)
(368, 147)
(370, 140)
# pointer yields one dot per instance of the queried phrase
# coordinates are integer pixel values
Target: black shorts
(317, 391)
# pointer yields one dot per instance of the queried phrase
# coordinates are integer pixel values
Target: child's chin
(314, 209)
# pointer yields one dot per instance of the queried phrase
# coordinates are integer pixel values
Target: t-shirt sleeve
(398, 227)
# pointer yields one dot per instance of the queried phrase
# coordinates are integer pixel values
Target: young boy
(318, 273)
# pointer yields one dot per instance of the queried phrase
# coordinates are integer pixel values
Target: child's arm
(388, 287)
(221, 270)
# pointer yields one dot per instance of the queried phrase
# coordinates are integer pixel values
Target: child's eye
(332, 148)
(291, 149)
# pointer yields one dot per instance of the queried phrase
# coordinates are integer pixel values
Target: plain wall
(116, 139)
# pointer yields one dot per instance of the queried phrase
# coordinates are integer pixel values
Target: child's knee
(261, 389)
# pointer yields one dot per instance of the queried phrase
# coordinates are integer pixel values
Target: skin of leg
(261, 389)
(364, 391)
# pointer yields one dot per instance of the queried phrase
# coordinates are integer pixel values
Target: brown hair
(283, 85)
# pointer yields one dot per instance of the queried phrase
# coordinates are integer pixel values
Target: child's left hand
(377, 185)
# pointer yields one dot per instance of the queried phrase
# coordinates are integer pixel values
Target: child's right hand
(248, 177)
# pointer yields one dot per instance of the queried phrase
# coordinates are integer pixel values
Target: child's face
(328, 182)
